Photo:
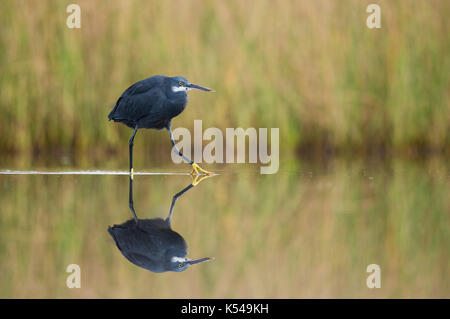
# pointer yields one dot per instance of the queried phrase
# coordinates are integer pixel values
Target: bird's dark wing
(132, 237)
(140, 100)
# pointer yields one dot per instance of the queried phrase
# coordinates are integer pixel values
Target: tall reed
(312, 68)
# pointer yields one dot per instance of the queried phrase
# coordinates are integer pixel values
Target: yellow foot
(198, 178)
(132, 173)
(197, 170)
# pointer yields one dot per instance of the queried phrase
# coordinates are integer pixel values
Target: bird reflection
(151, 243)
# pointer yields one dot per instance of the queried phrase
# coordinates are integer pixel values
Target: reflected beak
(198, 261)
(198, 87)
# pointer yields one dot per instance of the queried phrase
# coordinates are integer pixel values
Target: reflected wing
(143, 247)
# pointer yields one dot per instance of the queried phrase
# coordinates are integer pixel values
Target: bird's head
(181, 84)
(179, 264)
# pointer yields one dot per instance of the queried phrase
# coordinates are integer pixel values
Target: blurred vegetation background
(312, 68)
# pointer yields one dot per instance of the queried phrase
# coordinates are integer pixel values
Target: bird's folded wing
(140, 104)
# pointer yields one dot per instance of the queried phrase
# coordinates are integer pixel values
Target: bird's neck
(180, 100)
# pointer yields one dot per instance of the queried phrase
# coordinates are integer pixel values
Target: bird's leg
(130, 200)
(174, 148)
(131, 143)
(174, 199)
(196, 170)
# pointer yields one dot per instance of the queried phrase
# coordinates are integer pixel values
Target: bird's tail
(112, 113)
(110, 116)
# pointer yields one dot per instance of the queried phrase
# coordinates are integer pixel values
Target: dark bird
(151, 243)
(152, 103)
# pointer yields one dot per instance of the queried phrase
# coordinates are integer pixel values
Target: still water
(309, 231)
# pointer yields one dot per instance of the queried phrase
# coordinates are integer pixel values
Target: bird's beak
(198, 261)
(198, 87)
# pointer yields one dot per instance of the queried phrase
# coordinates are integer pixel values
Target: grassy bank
(312, 68)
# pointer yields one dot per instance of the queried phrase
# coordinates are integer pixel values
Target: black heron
(151, 243)
(152, 103)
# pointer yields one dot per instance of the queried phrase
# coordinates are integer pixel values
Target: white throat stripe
(179, 88)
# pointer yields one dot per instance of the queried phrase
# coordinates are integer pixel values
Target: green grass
(311, 68)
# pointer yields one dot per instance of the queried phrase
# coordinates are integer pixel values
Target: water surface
(309, 231)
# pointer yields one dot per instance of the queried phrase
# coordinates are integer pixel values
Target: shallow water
(309, 231)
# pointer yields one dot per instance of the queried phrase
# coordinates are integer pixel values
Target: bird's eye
(180, 265)
(180, 83)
